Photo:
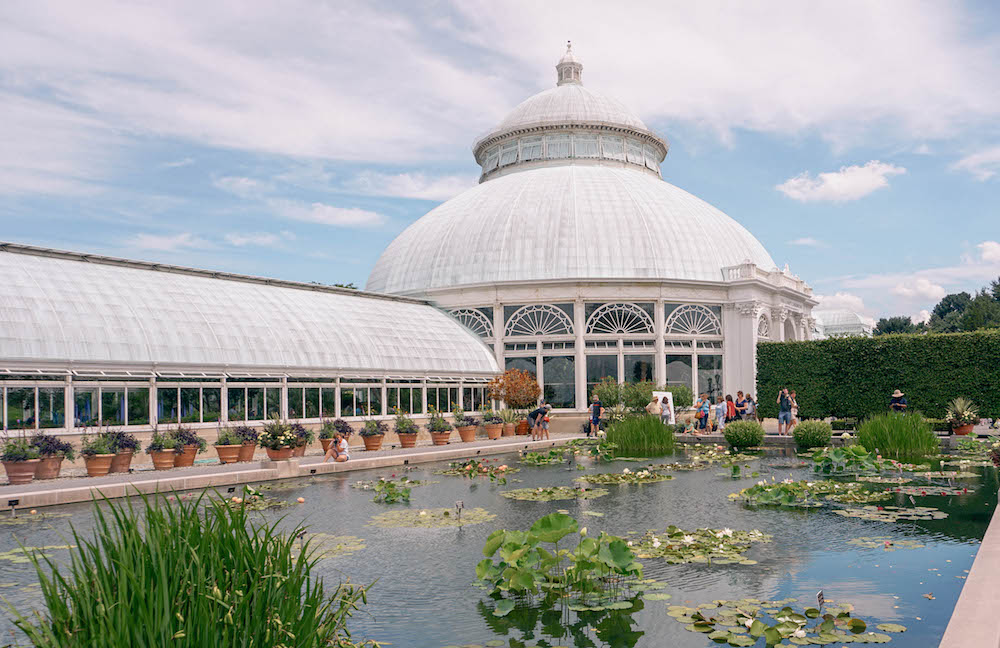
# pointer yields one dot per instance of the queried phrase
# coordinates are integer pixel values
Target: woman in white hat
(898, 402)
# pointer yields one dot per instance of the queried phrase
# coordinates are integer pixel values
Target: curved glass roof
(77, 310)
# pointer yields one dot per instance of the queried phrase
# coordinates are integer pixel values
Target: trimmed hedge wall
(855, 376)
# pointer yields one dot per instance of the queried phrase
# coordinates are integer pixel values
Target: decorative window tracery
(693, 319)
(539, 319)
(763, 329)
(620, 319)
(474, 320)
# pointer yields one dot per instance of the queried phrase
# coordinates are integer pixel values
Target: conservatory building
(575, 260)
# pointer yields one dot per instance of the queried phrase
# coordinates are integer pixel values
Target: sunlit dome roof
(569, 104)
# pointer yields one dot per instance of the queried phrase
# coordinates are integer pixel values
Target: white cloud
(840, 300)
(807, 241)
(923, 316)
(410, 185)
(982, 165)
(989, 251)
(919, 288)
(849, 183)
(167, 242)
(178, 163)
(327, 214)
(243, 187)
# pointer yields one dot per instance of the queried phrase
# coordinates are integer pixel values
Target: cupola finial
(568, 69)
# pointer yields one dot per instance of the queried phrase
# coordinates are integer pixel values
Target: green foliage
(626, 476)
(641, 436)
(228, 437)
(95, 445)
(938, 425)
(899, 324)
(388, 491)
(404, 424)
(961, 411)
(854, 459)
(794, 494)
(610, 392)
(187, 437)
(49, 444)
(550, 458)
(18, 449)
(812, 434)
(842, 424)
(187, 574)
(373, 427)
(276, 435)
(716, 546)
(899, 436)
(161, 441)
(683, 396)
(437, 423)
(479, 468)
(855, 376)
(744, 434)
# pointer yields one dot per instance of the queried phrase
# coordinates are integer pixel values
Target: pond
(425, 594)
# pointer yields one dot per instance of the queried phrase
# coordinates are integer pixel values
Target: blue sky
(859, 141)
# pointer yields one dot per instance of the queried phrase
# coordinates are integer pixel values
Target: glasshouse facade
(88, 340)
(575, 260)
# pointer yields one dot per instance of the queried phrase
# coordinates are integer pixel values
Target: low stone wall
(975, 623)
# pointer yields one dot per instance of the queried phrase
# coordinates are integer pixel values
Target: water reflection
(552, 620)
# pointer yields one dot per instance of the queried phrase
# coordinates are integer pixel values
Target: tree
(950, 323)
(955, 302)
(982, 312)
(995, 289)
(517, 388)
(898, 324)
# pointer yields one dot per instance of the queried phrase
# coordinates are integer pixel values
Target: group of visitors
(726, 410)
(538, 421)
(660, 407)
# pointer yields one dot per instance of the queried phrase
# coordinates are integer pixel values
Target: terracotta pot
(246, 451)
(163, 459)
(228, 453)
(468, 433)
(373, 443)
(508, 429)
(279, 455)
(21, 472)
(98, 465)
(122, 461)
(962, 430)
(522, 428)
(493, 430)
(48, 467)
(407, 440)
(326, 443)
(185, 458)
(299, 451)
(440, 438)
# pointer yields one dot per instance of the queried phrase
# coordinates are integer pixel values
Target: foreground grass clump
(187, 574)
(812, 434)
(744, 434)
(900, 436)
(641, 436)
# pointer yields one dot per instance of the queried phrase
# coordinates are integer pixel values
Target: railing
(777, 278)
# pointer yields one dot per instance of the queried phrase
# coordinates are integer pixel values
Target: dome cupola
(568, 69)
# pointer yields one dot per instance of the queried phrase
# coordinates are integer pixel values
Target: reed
(641, 436)
(898, 436)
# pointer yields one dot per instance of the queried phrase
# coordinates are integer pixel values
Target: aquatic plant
(369, 484)
(388, 491)
(885, 543)
(923, 491)
(550, 458)
(551, 493)
(716, 546)
(812, 434)
(856, 496)
(134, 583)
(478, 468)
(854, 459)
(641, 436)
(744, 434)
(432, 518)
(324, 545)
(892, 513)
(899, 436)
(951, 474)
(790, 493)
(626, 476)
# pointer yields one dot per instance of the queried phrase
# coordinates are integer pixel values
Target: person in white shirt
(720, 413)
(338, 450)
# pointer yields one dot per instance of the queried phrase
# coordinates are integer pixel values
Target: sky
(859, 141)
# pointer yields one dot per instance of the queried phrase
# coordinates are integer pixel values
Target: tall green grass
(183, 575)
(641, 436)
(899, 436)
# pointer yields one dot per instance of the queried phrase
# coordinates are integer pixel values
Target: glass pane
(375, 401)
(346, 401)
(406, 398)
(432, 398)
(211, 404)
(638, 368)
(452, 397)
(255, 403)
(51, 407)
(84, 406)
(112, 406)
(273, 402)
(166, 405)
(391, 399)
(138, 405)
(361, 401)
(190, 405)
(560, 381)
(600, 367)
(468, 400)
(710, 375)
(237, 403)
(329, 402)
(524, 364)
(679, 370)
(21, 408)
(295, 406)
(312, 402)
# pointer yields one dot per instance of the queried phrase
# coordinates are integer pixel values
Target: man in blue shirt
(784, 411)
(596, 413)
(898, 402)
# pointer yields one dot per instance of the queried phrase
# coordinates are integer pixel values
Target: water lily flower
(788, 481)
(748, 622)
(503, 467)
(626, 471)
(423, 512)
(656, 542)
(800, 633)
(688, 539)
(810, 484)
(583, 531)
(629, 543)
(727, 532)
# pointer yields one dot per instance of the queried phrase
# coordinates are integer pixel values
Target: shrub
(641, 436)
(609, 392)
(121, 441)
(187, 437)
(744, 434)
(899, 436)
(48, 445)
(228, 437)
(683, 396)
(812, 434)
(635, 396)
(18, 449)
(517, 388)
(95, 445)
(250, 584)
(374, 428)
(161, 442)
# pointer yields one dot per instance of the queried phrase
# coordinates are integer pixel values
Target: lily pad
(923, 491)
(325, 545)
(30, 518)
(876, 479)
(431, 518)
(22, 555)
(551, 493)
(892, 513)
(952, 474)
(625, 477)
(885, 543)
(677, 546)
(891, 627)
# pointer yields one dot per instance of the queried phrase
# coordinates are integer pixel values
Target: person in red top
(730, 408)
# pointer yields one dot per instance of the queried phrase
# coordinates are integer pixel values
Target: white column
(283, 404)
(336, 395)
(695, 387)
(580, 363)
(223, 401)
(539, 369)
(498, 339)
(153, 398)
(660, 361)
(621, 361)
(69, 405)
(739, 348)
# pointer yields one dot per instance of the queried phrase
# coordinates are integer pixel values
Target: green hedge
(855, 376)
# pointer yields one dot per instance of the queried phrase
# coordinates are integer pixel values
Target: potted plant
(124, 445)
(518, 389)
(248, 442)
(189, 445)
(372, 434)
(406, 430)
(493, 423)
(303, 437)
(162, 449)
(509, 418)
(228, 445)
(465, 425)
(962, 415)
(20, 459)
(277, 439)
(51, 451)
(97, 454)
(326, 432)
(439, 428)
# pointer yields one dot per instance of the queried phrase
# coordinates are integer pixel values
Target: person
(596, 414)
(750, 413)
(338, 449)
(545, 424)
(741, 406)
(720, 413)
(702, 409)
(535, 421)
(730, 408)
(653, 408)
(784, 402)
(665, 413)
(795, 411)
(898, 402)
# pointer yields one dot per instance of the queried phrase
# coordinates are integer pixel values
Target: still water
(425, 596)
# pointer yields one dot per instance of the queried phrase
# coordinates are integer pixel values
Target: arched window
(474, 320)
(539, 319)
(620, 319)
(763, 328)
(692, 319)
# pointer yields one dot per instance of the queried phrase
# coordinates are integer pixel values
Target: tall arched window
(620, 319)
(539, 319)
(692, 319)
(763, 328)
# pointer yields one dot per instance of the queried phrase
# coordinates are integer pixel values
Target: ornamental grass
(899, 436)
(641, 436)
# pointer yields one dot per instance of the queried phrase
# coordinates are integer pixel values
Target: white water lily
(583, 531)
(629, 543)
(762, 483)
(810, 484)
(656, 543)
(423, 512)
(626, 471)
(748, 622)
(688, 539)
(800, 633)
(788, 481)
(727, 532)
